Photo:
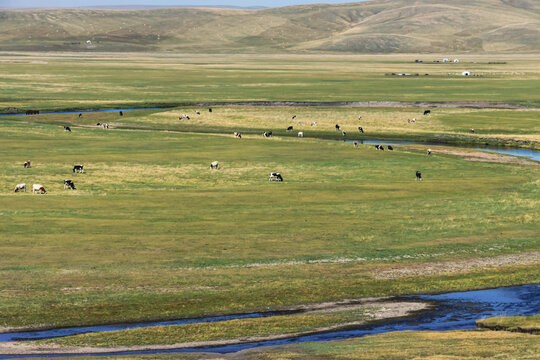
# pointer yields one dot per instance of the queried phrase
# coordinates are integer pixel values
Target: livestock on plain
(429, 151)
(314, 123)
(78, 168)
(338, 128)
(344, 133)
(418, 176)
(300, 134)
(389, 147)
(294, 117)
(121, 113)
(38, 188)
(237, 135)
(472, 131)
(68, 184)
(214, 165)
(267, 134)
(290, 128)
(27, 164)
(197, 112)
(361, 129)
(67, 128)
(274, 176)
(20, 187)
(427, 112)
(209, 109)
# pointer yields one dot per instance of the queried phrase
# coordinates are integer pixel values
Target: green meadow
(152, 233)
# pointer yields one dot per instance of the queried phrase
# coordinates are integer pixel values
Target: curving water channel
(451, 311)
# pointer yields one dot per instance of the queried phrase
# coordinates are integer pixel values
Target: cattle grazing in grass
(413, 120)
(338, 128)
(20, 187)
(67, 128)
(78, 168)
(209, 109)
(427, 112)
(379, 147)
(294, 117)
(237, 135)
(197, 112)
(184, 117)
(38, 188)
(274, 176)
(360, 129)
(355, 143)
(267, 134)
(418, 176)
(389, 147)
(32, 112)
(344, 133)
(68, 184)
(105, 126)
(80, 115)
(27, 164)
(314, 123)
(214, 165)
(429, 151)
(98, 124)
(121, 113)
(360, 118)
(300, 134)
(472, 131)
(290, 128)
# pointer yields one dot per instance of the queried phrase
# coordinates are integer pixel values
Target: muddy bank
(377, 309)
(480, 325)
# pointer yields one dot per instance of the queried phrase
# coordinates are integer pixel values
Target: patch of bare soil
(453, 267)
(487, 157)
(376, 309)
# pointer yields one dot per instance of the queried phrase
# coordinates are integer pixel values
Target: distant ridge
(152, 7)
(377, 26)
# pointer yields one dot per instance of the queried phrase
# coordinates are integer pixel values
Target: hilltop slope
(379, 26)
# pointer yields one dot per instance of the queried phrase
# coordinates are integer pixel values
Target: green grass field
(152, 233)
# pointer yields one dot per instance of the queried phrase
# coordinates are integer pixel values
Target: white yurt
(456, 60)
(466, 73)
(445, 60)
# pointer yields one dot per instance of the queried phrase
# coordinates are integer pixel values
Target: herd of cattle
(274, 176)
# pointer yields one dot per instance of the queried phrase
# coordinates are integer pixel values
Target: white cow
(275, 177)
(20, 187)
(38, 188)
(214, 165)
(301, 134)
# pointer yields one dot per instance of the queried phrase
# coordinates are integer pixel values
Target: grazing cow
(472, 131)
(214, 165)
(301, 134)
(413, 120)
(294, 117)
(197, 112)
(418, 175)
(429, 151)
(66, 128)
(338, 128)
(344, 133)
(121, 113)
(20, 187)
(27, 164)
(32, 112)
(39, 189)
(68, 184)
(390, 147)
(78, 168)
(355, 143)
(80, 115)
(379, 147)
(105, 126)
(275, 177)
(314, 123)
(427, 112)
(290, 128)
(267, 134)
(360, 129)
(237, 135)
(209, 109)
(360, 118)
(98, 124)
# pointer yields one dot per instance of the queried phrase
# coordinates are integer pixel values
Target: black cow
(418, 175)
(121, 113)
(78, 168)
(390, 147)
(290, 128)
(427, 112)
(68, 184)
(275, 176)
(379, 147)
(209, 109)
(360, 129)
(66, 128)
(338, 127)
(80, 115)
(294, 117)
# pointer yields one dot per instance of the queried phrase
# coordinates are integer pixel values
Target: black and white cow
(338, 128)
(20, 187)
(68, 184)
(80, 115)
(197, 112)
(27, 164)
(390, 147)
(237, 135)
(360, 129)
(274, 176)
(418, 176)
(290, 128)
(294, 117)
(429, 151)
(214, 165)
(67, 128)
(78, 168)
(427, 112)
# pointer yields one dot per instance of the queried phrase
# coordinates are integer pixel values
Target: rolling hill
(378, 26)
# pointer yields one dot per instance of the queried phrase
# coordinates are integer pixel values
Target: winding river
(450, 311)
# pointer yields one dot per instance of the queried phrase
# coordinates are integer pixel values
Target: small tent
(445, 60)
(466, 73)
(456, 60)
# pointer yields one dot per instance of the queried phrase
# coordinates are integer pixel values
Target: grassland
(528, 324)
(94, 81)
